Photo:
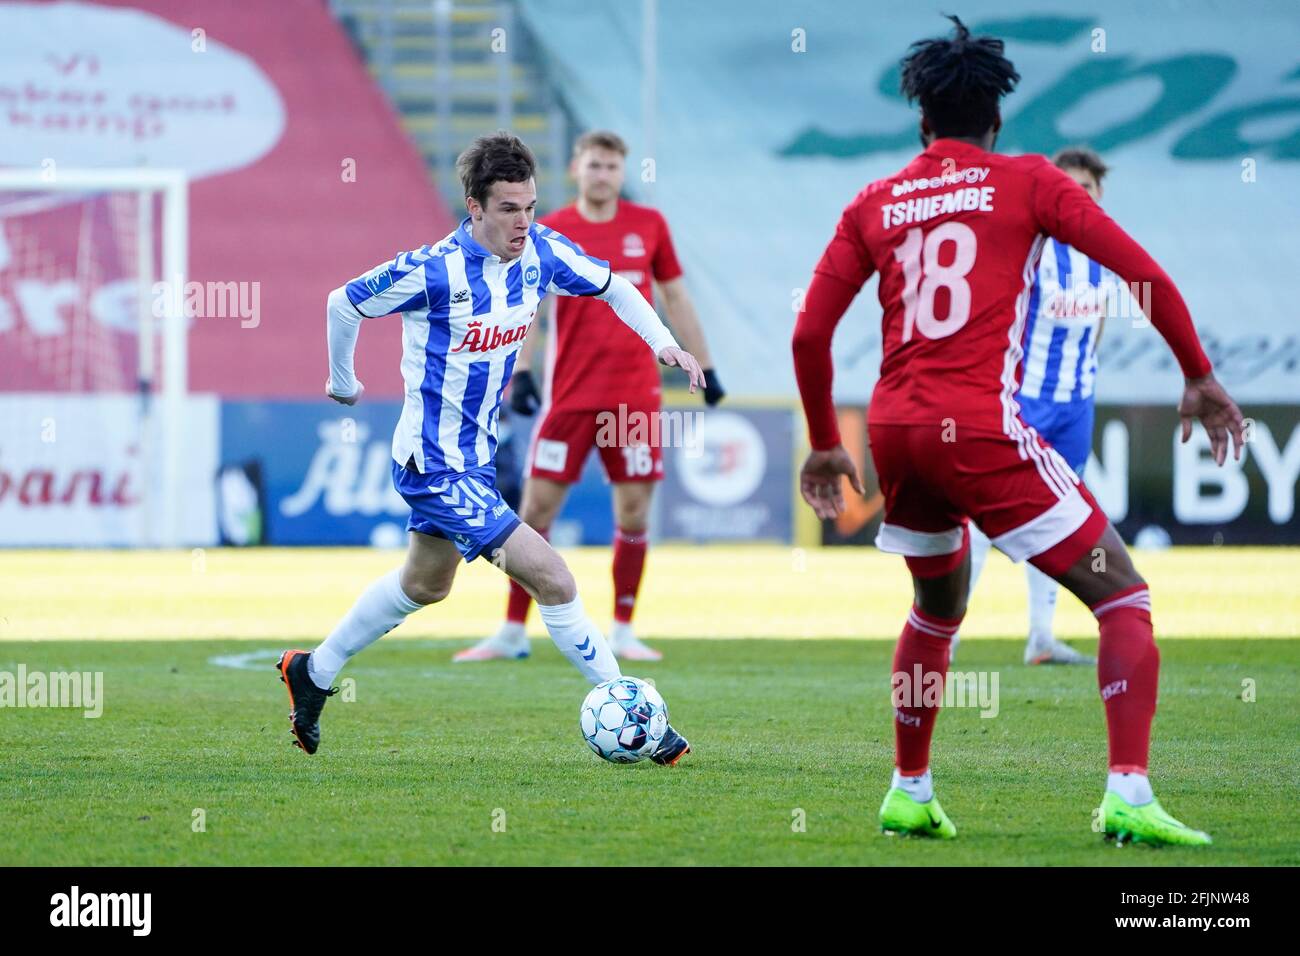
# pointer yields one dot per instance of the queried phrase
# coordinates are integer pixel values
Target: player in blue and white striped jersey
(1068, 305)
(465, 313)
(466, 305)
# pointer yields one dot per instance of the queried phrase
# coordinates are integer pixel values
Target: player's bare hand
(822, 481)
(345, 399)
(686, 362)
(1206, 400)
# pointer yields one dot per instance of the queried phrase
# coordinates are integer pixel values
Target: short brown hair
(599, 139)
(1081, 157)
(496, 157)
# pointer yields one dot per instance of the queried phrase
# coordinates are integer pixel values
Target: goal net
(92, 356)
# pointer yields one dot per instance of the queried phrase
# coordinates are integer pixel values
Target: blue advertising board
(320, 473)
(315, 473)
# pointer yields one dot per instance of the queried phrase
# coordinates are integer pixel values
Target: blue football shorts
(463, 507)
(1066, 426)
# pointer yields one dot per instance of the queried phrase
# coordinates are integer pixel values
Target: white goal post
(160, 255)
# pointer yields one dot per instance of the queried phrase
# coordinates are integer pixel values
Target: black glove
(525, 399)
(713, 392)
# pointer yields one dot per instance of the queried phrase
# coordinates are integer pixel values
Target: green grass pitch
(435, 763)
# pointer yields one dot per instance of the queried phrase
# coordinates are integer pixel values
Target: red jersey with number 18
(956, 236)
(593, 360)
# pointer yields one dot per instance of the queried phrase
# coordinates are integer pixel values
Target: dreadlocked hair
(958, 80)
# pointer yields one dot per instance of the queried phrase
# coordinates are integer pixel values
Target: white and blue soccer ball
(624, 719)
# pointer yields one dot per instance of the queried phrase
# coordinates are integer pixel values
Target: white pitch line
(248, 661)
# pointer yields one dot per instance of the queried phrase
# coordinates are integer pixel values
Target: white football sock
(1042, 604)
(920, 789)
(979, 553)
(512, 633)
(619, 632)
(1134, 788)
(579, 640)
(381, 607)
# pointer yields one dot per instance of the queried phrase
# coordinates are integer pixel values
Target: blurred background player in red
(594, 366)
(956, 236)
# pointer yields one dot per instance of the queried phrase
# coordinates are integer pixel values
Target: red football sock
(920, 667)
(519, 603)
(1128, 673)
(629, 564)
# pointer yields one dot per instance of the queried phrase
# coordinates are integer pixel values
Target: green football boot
(903, 816)
(1148, 823)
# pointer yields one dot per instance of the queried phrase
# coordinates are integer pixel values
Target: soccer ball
(623, 719)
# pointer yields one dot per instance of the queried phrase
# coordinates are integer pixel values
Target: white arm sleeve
(630, 306)
(343, 322)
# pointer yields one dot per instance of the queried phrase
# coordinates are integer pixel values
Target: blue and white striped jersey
(465, 313)
(1070, 297)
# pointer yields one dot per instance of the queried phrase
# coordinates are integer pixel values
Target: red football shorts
(626, 437)
(1018, 491)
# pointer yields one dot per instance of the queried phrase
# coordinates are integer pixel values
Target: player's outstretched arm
(385, 290)
(1068, 213)
(635, 312)
(343, 323)
(821, 479)
(685, 322)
